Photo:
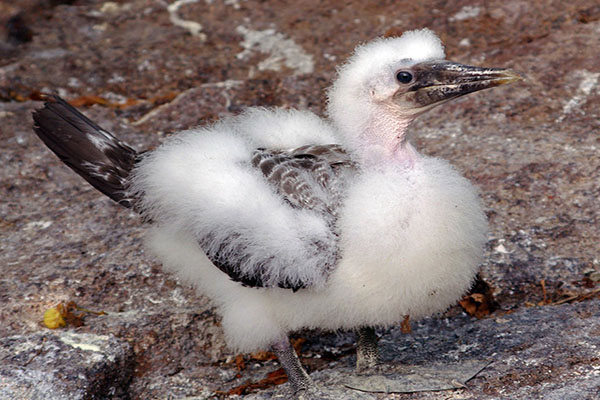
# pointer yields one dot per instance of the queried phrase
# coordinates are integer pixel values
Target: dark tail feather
(95, 154)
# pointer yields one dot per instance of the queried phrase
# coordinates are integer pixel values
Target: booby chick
(289, 221)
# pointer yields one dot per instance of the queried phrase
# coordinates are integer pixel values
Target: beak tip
(509, 76)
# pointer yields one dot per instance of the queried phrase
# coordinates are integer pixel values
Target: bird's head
(388, 82)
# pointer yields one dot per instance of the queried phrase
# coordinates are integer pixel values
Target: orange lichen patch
(405, 325)
(475, 305)
(240, 364)
(297, 344)
(544, 292)
(88, 101)
(277, 377)
(92, 99)
(53, 318)
(576, 297)
(273, 378)
(63, 314)
(165, 98)
(479, 302)
(263, 356)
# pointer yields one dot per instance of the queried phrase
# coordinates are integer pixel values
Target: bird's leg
(367, 354)
(297, 376)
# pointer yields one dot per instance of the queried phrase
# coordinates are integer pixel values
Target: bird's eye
(404, 77)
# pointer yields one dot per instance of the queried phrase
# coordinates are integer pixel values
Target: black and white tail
(92, 152)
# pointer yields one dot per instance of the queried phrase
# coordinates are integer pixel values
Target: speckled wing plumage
(307, 177)
(310, 177)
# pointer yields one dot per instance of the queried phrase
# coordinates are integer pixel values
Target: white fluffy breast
(412, 240)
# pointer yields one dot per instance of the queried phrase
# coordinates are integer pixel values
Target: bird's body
(407, 238)
(289, 221)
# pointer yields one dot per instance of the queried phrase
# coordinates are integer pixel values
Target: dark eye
(404, 77)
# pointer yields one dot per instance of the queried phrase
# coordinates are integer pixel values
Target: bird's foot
(297, 376)
(303, 387)
(367, 353)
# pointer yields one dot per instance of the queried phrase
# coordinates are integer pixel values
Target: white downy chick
(289, 221)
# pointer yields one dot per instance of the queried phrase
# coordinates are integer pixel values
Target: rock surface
(64, 365)
(546, 352)
(144, 69)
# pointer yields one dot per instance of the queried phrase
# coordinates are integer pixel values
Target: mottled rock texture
(146, 68)
(64, 365)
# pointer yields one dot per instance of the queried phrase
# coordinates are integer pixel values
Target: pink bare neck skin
(385, 141)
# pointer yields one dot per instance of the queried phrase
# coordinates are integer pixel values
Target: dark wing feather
(251, 281)
(92, 152)
(307, 177)
(310, 178)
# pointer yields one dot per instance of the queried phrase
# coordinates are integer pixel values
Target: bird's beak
(436, 82)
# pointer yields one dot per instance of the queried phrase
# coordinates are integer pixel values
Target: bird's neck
(385, 142)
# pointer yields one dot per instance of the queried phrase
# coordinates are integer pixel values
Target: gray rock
(541, 352)
(64, 365)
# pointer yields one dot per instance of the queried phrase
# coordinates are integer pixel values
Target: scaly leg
(367, 353)
(297, 376)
